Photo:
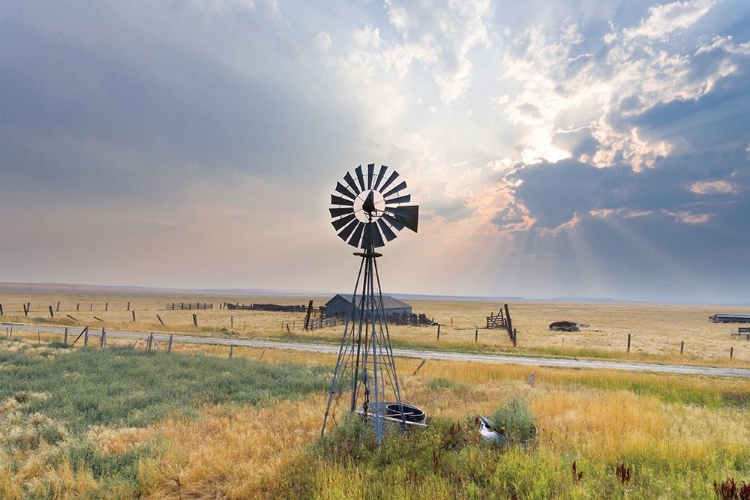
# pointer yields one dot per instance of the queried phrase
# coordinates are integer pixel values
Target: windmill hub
(369, 206)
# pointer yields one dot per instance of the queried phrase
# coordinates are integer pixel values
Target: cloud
(666, 18)
(440, 35)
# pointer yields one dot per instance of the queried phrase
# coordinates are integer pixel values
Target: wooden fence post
(103, 338)
(195, 320)
(58, 307)
(169, 349)
(86, 336)
(65, 341)
(78, 306)
(682, 346)
(91, 306)
(628, 342)
(731, 352)
(476, 334)
(515, 337)
(133, 311)
(438, 332)
(25, 310)
(159, 318)
(106, 306)
(128, 306)
(51, 314)
(231, 351)
(1, 310)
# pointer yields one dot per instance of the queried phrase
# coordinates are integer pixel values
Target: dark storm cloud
(555, 193)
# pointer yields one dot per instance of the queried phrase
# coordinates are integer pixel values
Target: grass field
(125, 423)
(122, 422)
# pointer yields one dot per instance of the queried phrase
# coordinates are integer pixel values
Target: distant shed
(340, 306)
(729, 318)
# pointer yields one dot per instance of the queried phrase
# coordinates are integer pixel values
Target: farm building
(340, 306)
(729, 318)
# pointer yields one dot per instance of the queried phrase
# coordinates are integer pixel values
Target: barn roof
(388, 301)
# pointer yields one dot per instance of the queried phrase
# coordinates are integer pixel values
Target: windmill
(367, 211)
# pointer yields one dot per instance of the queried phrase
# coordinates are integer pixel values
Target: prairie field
(123, 422)
(657, 331)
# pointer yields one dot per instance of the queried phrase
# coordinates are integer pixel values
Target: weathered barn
(340, 306)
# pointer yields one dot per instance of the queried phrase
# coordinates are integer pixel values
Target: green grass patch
(127, 387)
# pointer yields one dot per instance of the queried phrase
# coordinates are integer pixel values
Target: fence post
(231, 351)
(86, 336)
(65, 341)
(1, 310)
(58, 307)
(78, 306)
(106, 306)
(25, 310)
(515, 337)
(731, 352)
(159, 318)
(438, 332)
(169, 349)
(682, 346)
(128, 306)
(476, 334)
(91, 306)
(103, 338)
(195, 320)
(133, 311)
(51, 314)
(628, 342)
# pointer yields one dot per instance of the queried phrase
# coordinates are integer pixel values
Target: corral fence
(312, 324)
(189, 306)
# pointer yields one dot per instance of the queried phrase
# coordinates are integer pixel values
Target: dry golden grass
(656, 330)
(237, 452)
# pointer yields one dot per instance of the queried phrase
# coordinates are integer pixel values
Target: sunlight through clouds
(558, 142)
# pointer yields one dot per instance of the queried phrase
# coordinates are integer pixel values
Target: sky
(590, 148)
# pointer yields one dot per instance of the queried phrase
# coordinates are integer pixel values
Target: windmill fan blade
(396, 223)
(387, 232)
(390, 180)
(360, 177)
(350, 181)
(338, 212)
(357, 235)
(341, 189)
(401, 199)
(344, 234)
(407, 214)
(338, 200)
(398, 188)
(383, 168)
(370, 173)
(339, 223)
(377, 238)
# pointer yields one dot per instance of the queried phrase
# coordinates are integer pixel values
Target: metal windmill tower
(367, 213)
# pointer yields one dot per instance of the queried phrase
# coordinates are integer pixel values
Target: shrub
(514, 421)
